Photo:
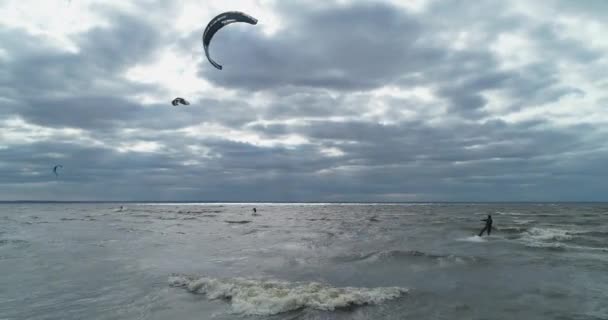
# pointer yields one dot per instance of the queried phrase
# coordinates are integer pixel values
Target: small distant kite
(55, 169)
(178, 100)
(219, 22)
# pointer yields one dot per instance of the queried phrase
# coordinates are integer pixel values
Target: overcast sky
(320, 101)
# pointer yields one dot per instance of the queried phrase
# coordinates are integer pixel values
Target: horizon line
(295, 202)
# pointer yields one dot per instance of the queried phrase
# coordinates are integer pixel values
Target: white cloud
(15, 131)
(140, 146)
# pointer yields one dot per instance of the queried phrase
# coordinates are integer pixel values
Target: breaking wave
(523, 221)
(473, 239)
(512, 213)
(269, 297)
(545, 234)
(549, 238)
(561, 239)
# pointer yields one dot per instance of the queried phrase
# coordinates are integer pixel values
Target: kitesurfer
(488, 226)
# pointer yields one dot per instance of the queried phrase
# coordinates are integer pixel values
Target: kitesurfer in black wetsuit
(488, 226)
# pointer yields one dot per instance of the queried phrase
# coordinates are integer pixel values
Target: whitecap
(549, 245)
(269, 297)
(511, 213)
(473, 239)
(544, 234)
(523, 221)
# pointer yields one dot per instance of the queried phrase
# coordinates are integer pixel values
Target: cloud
(340, 101)
(357, 47)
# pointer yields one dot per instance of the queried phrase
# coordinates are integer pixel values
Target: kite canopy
(178, 100)
(219, 22)
(55, 168)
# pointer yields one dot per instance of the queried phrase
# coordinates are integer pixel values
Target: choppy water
(303, 261)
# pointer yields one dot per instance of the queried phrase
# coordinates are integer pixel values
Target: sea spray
(269, 297)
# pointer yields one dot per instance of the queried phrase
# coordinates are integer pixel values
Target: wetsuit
(488, 226)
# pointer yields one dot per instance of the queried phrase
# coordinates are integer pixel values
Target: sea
(303, 261)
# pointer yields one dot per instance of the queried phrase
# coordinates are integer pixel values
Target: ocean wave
(548, 238)
(270, 297)
(511, 230)
(318, 219)
(198, 212)
(477, 239)
(167, 218)
(587, 248)
(252, 231)
(563, 247)
(546, 245)
(512, 213)
(545, 234)
(561, 239)
(596, 234)
(71, 219)
(523, 221)
(237, 221)
(14, 242)
(387, 255)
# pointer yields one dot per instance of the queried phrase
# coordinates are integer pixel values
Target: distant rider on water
(488, 226)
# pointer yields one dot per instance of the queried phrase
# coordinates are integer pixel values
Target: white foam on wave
(545, 234)
(523, 221)
(541, 244)
(511, 213)
(399, 255)
(558, 245)
(473, 239)
(555, 238)
(547, 237)
(269, 297)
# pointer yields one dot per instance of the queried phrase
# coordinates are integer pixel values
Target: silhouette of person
(488, 226)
